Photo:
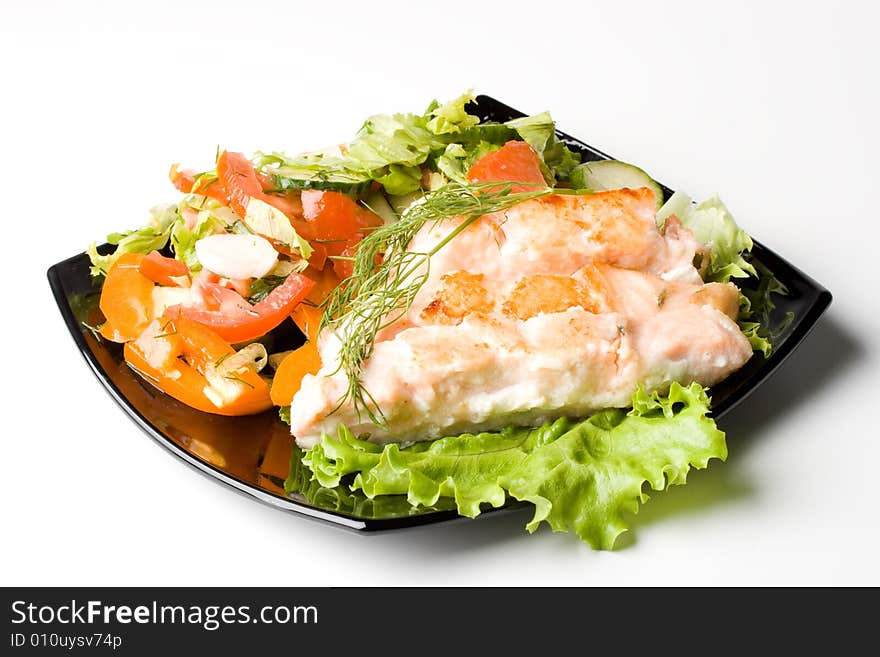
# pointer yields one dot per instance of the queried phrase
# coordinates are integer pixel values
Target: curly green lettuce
(582, 476)
(151, 237)
(714, 226)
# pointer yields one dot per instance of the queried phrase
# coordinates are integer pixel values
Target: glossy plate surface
(252, 454)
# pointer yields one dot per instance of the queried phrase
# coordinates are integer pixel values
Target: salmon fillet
(559, 306)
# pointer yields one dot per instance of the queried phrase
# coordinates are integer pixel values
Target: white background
(774, 105)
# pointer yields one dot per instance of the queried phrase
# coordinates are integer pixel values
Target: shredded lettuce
(269, 221)
(393, 149)
(539, 131)
(452, 117)
(398, 179)
(151, 237)
(581, 476)
(756, 335)
(713, 225)
(183, 239)
(456, 160)
(755, 309)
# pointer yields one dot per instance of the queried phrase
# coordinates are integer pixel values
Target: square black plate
(251, 454)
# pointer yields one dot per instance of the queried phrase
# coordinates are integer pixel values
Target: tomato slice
(127, 298)
(288, 378)
(176, 356)
(182, 179)
(164, 271)
(335, 222)
(344, 266)
(513, 162)
(242, 183)
(332, 215)
(240, 180)
(185, 181)
(240, 324)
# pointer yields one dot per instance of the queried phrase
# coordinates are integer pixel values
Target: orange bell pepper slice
(290, 373)
(307, 315)
(127, 298)
(185, 360)
(164, 271)
(308, 320)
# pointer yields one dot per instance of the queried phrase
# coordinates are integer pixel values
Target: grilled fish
(559, 306)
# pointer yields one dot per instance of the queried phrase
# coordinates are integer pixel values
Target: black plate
(252, 454)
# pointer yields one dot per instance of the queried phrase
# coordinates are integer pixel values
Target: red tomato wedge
(335, 218)
(176, 356)
(336, 223)
(240, 324)
(127, 298)
(164, 271)
(319, 256)
(513, 162)
(242, 183)
(331, 215)
(240, 180)
(344, 265)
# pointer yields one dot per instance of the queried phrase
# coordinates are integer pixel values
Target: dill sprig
(386, 276)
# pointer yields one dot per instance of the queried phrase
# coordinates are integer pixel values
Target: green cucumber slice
(288, 177)
(377, 203)
(612, 174)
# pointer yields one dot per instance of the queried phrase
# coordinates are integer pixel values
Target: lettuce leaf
(398, 179)
(713, 225)
(755, 309)
(151, 237)
(392, 148)
(456, 160)
(756, 335)
(452, 117)
(579, 475)
(590, 476)
(269, 221)
(183, 239)
(340, 498)
(539, 131)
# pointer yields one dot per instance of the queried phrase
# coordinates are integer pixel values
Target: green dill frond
(386, 276)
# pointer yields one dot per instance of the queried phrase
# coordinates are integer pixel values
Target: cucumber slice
(401, 203)
(288, 177)
(611, 174)
(377, 203)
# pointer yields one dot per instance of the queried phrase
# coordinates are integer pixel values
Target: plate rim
(822, 298)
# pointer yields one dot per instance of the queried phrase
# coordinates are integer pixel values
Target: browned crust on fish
(459, 294)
